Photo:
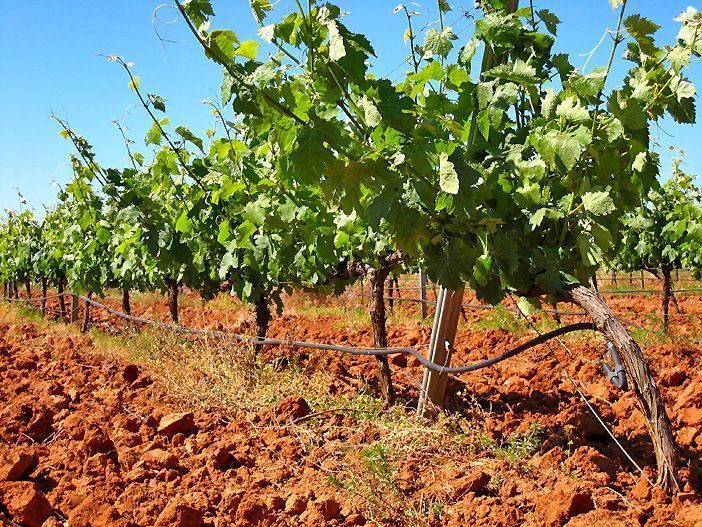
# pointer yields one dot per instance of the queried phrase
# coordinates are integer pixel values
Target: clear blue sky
(50, 59)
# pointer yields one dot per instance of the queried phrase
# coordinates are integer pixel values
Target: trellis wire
(543, 310)
(581, 394)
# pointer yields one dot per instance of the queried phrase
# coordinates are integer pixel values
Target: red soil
(99, 443)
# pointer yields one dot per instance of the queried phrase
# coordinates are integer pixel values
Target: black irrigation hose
(616, 375)
(375, 352)
(580, 326)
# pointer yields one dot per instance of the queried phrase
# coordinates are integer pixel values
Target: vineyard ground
(299, 438)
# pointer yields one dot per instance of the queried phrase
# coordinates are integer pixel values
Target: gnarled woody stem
(639, 374)
(376, 308)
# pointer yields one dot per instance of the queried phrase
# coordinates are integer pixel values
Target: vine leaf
(158, 102)
(598, 203)
(448, 178)
(337, 50)
(372, 115)
(248, 49)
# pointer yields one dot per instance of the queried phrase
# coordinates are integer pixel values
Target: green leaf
(134, 83)
(341, 239)
(518, 71)
(550, 280)
(337, 50)
(158, 102)
(153, 136)
(438, 42)
(189, 136)
(260, 9)
(588, 85)
(642, 30)
(529, 306)
(681, 88)
(629, 112)
(613, 129)
(432, 71)
(537, 218)
(311, 156)
(224, 233)
(264, 73)
(598, 203)
(228, 262)
(481, 269)
(571, 110)
(467, 52)
(227, 87)
(499, 29)
(103, 234)
(555, 146)
(198, 10)
(484, 123)
(223, 42)
(372, 115)
(457, 75)
(590, 253)
(448, 178)
(683, 111)
(244, 233)
(549, 19)
(184, 224)
(639, 161)
(248, 49)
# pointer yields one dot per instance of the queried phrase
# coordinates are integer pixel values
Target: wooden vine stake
(640, 378)
(423, 292)
(74, 307)
(85, 326)
(448, 304)
(443, 335)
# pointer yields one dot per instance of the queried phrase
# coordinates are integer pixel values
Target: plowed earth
(88, 440)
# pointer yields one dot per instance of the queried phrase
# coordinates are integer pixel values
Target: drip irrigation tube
(376, 352)
(616, 375)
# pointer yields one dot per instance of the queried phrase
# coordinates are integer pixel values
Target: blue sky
(50, 59)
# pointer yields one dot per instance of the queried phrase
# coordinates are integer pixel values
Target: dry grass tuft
(213, 373)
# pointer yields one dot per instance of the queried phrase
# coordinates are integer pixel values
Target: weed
(502, 318)
(484, 442)
(377, 462)
(515, 449)
(372, 481)
(29, 312)
(519, 447)
(437, 509)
